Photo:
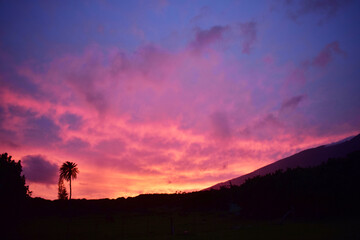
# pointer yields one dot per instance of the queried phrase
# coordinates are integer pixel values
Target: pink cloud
(115, 146)
(151, 116)
(156, 142)
(220, 125)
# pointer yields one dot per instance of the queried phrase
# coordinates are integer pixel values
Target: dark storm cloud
(38, 169)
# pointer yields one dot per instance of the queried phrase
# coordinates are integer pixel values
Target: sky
(172, 96)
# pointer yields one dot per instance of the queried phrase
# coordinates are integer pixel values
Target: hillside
(307, 158)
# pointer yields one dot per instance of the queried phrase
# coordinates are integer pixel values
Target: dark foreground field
(320, 202)
(181, 226)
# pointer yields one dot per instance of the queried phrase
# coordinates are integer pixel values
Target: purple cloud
(326, 55)
(144, 107)
(270, 120)
(111, 146)
(204, 38)
(7, 138)
(38, 169)
(220, 124)
(292, 103)
(18, 111)
(326, 8)
(76, 144)
(157, 142)
(2, 115)
(248, 32)
(202, 13)
(72, 121)
(197, 150)
(80, 72)
(41, 131)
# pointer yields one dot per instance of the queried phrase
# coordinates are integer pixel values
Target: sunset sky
(165, 96)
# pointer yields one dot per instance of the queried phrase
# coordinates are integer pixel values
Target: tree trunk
(70, 188)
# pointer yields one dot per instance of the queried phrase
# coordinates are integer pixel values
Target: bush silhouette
(62, 193)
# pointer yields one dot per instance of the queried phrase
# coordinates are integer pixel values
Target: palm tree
(69, 171)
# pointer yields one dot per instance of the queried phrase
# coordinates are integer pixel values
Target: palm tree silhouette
(69, 171)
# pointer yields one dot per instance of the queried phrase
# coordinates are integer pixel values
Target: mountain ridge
(307, 158)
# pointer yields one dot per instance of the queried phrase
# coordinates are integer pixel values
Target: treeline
(329, 190)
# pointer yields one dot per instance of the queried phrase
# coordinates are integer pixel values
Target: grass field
(181, 226)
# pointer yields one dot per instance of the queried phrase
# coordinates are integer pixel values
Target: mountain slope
(307, 158)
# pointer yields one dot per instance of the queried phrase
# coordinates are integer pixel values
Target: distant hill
(307, 158)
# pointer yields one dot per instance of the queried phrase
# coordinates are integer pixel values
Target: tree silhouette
(12, 184)
(62, 193)
(69, 171)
